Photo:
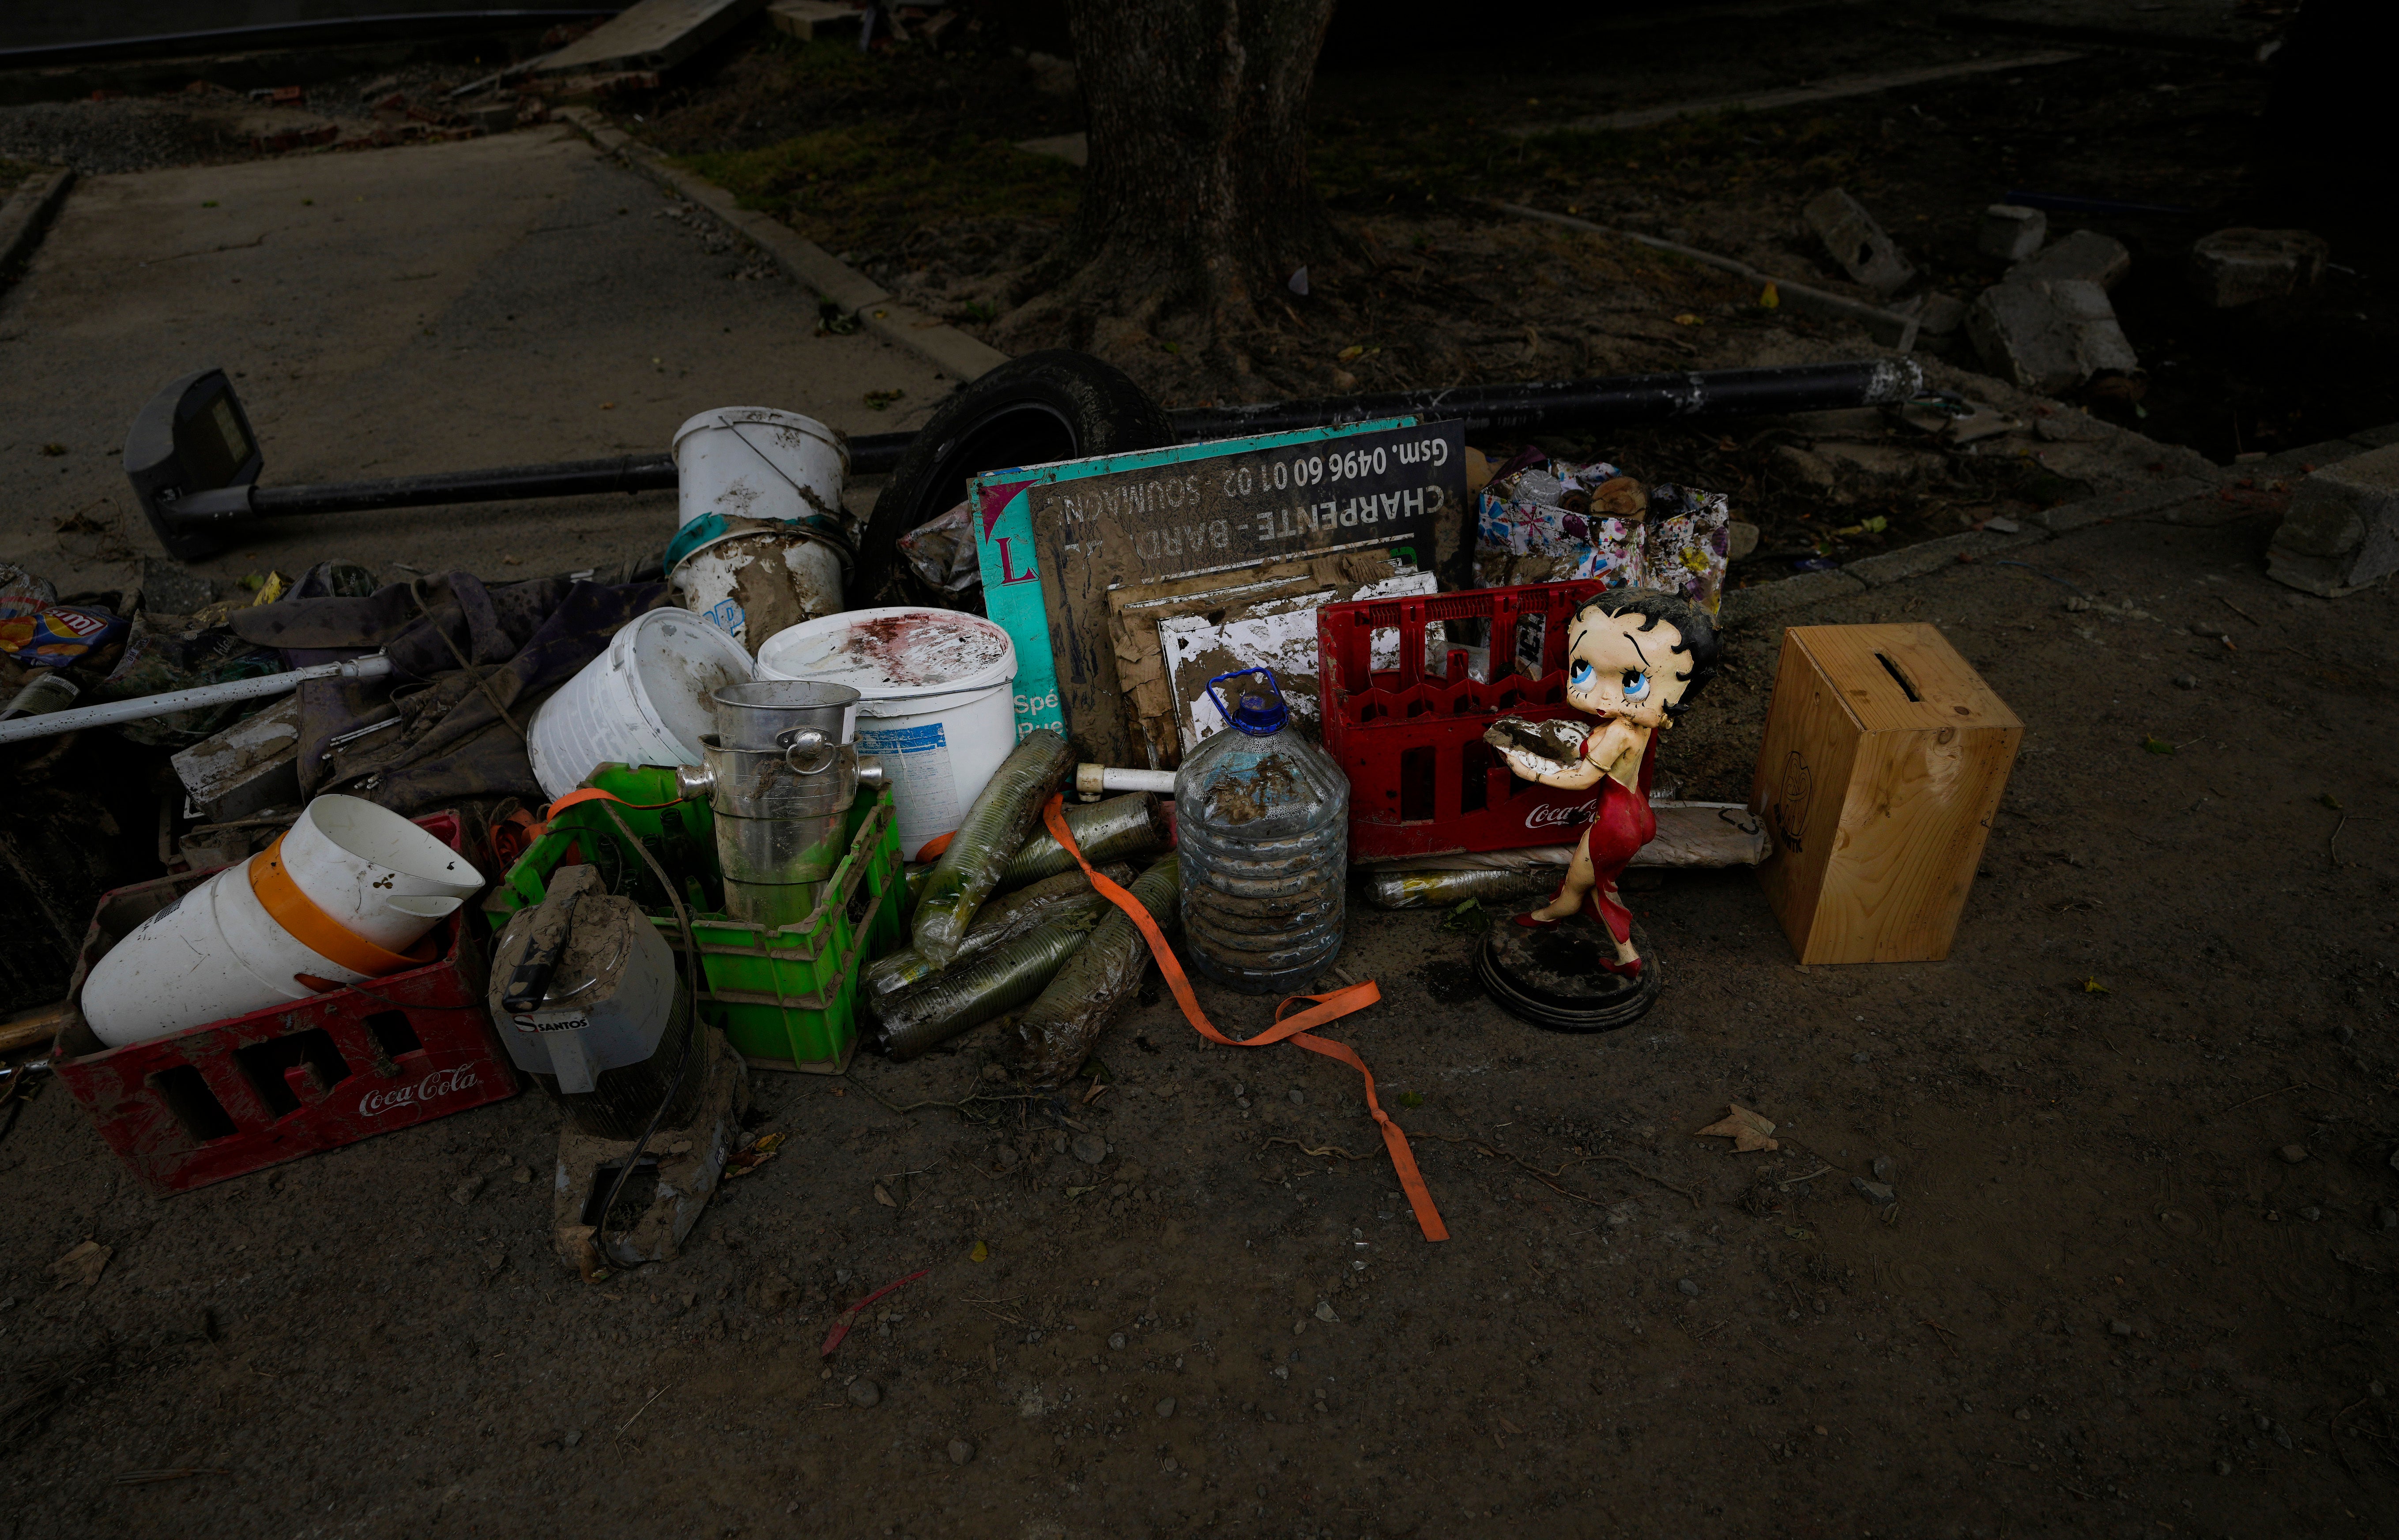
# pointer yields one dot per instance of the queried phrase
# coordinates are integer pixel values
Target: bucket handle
(794, 740)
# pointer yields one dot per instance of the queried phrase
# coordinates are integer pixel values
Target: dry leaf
(83, 1264)
(1746, 1128)
(753, 1155)
(884, 1198)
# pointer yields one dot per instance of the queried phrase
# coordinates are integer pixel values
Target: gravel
(864, 1392)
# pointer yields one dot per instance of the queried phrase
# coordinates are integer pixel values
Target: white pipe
(54, 722)
(1092, 780)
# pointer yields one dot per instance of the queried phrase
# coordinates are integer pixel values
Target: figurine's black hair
(1700, 642)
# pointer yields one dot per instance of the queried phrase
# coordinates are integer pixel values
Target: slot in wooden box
(1884, 759)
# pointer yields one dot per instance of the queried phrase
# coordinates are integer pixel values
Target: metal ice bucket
(779, 773)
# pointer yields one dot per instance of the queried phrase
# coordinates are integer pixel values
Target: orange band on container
(315, 930)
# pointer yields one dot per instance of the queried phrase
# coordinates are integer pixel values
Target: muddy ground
(2102, 1302)
(2105, 1301)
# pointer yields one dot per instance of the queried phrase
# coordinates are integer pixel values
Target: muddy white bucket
(754, 462)
(643, 701)
(362, 882)
(752, 583)
(179, 969)
(936, 702)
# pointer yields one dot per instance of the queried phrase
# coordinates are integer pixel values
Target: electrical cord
(691, 1033)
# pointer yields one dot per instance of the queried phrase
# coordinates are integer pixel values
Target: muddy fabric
(469, 665)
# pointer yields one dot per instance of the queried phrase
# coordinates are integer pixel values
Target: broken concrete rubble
(1937, 315)
(2241, 266)
(2086, 256)
(2050, 336)
(2011, 232)
(2342, 531)
(1856, 242)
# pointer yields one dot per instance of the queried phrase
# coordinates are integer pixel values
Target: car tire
(1052, 405)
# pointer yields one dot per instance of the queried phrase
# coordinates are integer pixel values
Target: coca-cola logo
(434, 1087)
(1556, 815)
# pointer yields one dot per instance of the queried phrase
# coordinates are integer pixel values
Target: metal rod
(54, 722)
(1623, 401)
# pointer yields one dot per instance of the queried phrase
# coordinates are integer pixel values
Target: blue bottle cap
(1258, 715)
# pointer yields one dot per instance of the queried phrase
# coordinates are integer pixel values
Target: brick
(2011, 232)
(1857, 242)
(2086, 255)
(2342, 531)
(2242, 266)
(2049, 336)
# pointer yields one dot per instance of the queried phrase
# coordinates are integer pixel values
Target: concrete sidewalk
(442, 308)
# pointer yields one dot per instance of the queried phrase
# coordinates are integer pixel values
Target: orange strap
(1294, 1029)
(583, 794)
(315, 930)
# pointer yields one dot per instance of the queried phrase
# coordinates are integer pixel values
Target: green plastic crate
(787, 999)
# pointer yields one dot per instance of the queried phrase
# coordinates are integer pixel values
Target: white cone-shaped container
(378, 875)
(174, 970)
(219, 953)
(937, 704)
(643, 701)
(754, 462)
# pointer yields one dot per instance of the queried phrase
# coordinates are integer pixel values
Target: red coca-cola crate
(1422, 782)
(233, 1097)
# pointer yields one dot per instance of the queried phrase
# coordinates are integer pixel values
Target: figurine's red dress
(1620, 825)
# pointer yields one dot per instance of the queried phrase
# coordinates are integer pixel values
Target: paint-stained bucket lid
(897, 653)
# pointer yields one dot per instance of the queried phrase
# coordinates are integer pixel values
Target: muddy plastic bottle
(1261, 818)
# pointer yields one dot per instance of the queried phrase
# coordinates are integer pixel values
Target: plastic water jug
(1261, 818)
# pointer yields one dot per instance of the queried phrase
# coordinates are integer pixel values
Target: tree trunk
(1196, 205)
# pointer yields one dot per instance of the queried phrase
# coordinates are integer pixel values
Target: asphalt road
(491, 301)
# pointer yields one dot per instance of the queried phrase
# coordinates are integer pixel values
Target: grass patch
(867, 186)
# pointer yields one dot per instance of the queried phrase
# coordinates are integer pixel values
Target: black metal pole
(1625, 401)
(566, 479)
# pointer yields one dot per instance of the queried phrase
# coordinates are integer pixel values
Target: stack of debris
(2049, 326)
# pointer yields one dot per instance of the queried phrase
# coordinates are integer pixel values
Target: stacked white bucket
(218, 953)
(754, 462)
(643, 701)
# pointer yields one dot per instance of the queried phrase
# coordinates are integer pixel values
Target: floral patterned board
(1595, 522)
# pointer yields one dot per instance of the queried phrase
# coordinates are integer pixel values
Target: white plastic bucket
(215, 955)
(754, 462)
(219, 954)
(177, 969)
(793, 578)
(643, 701)
(936, 704)
(378, 875)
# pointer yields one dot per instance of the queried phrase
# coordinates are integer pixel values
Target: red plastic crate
(1422, 782)
(236, 1096)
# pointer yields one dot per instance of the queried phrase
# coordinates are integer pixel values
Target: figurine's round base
(1551, 975)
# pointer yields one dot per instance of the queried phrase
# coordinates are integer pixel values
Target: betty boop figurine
(1634, 659)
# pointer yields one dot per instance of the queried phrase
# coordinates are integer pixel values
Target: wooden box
(1884, 759)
